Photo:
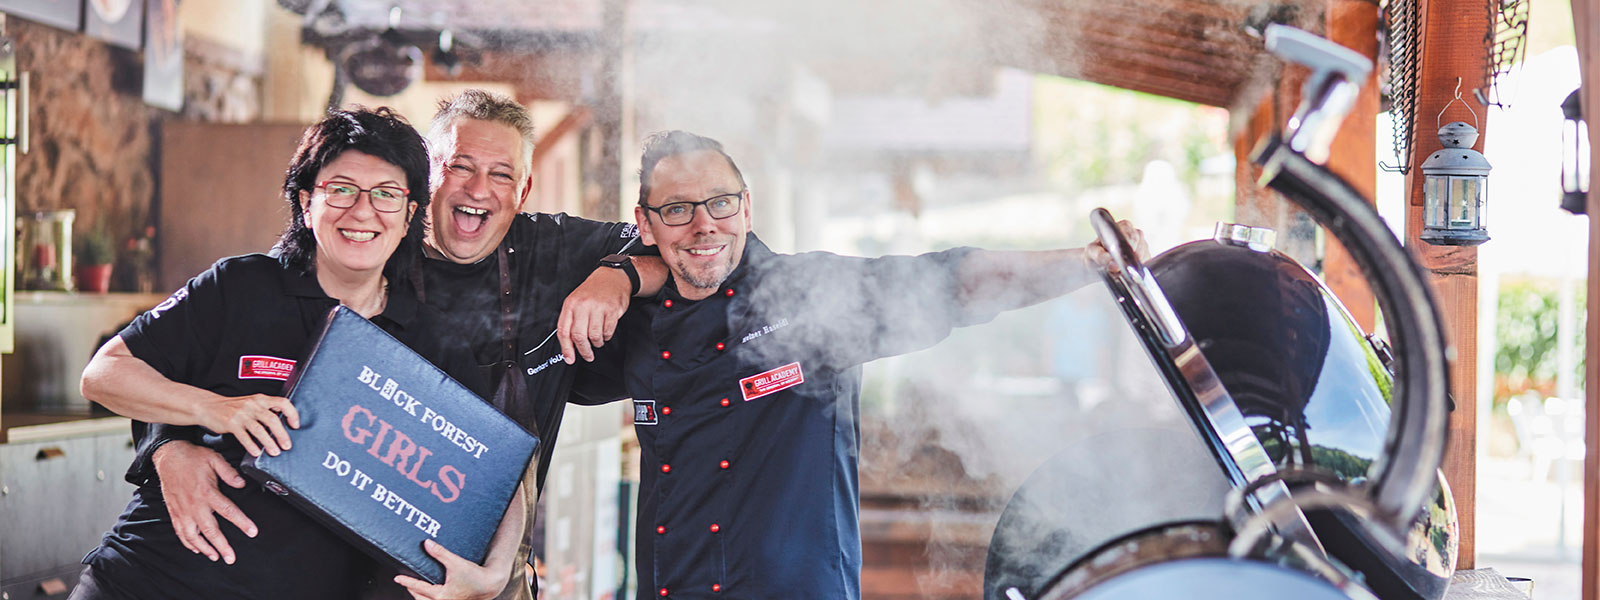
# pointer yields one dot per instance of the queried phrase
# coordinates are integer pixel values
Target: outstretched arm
(993, 281)
(130, 387)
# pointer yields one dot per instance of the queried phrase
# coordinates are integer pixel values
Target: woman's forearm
(124, 383)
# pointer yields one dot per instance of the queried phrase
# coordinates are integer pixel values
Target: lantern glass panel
(1464, 199)
(1433, 200)
(1583, 165)
(1569, 156)
(1575, 162)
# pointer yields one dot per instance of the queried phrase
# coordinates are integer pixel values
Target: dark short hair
(486, 106)
(379, 132)
(663, 144)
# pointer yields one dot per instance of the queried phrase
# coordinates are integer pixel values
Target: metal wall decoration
(163, 57)
(65, 14)
(1506, 42)
(1398, 81)
(117, 22)
(1402, 24)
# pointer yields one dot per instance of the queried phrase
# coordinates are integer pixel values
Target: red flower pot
(94, 278)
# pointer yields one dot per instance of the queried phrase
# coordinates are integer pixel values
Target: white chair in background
(1549, 433)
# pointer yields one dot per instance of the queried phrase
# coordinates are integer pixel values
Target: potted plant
(93, 257)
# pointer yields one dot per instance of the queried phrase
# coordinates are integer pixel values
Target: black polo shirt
(549, 256)
(238, 329)
(747, 409)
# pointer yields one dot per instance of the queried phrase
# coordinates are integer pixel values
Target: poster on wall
(117, 22)
(163, 57)
(66, 14)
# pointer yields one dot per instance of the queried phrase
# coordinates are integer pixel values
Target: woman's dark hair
(379, 132)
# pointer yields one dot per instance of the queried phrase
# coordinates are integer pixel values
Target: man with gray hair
(529, 292)
(745, 375)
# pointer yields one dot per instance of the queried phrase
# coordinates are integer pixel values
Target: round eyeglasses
(681, 213)
(384, 198)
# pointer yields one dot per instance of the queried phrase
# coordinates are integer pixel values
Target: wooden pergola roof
(1202, 51)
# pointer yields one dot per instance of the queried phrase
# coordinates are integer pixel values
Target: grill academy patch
(253, 366)
(771, 382)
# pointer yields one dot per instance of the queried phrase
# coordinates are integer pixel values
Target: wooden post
(1587, 28)
(1453, 47)
(1262, 207)
(1354, 156)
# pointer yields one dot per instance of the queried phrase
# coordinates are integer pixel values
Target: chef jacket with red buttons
(746, 405)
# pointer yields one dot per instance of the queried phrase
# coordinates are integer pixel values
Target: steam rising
(949, 434)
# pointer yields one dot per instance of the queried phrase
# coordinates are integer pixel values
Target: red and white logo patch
(265, 367)
(771, 382)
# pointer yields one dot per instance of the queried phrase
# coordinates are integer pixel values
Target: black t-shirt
(238, 329)
(548, 256)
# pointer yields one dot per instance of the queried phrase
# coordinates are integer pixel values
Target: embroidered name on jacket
(771, 382)
(765, 329)
(265, 367)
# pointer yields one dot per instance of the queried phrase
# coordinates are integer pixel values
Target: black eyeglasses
(681, 213)
(384, 198)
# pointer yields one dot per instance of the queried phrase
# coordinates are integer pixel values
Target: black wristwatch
(624, 262)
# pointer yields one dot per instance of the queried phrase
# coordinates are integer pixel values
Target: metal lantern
(1455, 189)
(1574, 156)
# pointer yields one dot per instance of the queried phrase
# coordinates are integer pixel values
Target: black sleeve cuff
(147, 439)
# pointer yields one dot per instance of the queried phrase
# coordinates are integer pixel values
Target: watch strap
(625, 263)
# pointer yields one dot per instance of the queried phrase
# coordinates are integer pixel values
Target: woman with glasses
(217, 354)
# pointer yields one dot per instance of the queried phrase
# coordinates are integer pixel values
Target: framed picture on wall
(65, 14)
(163, 57)
(118, 22)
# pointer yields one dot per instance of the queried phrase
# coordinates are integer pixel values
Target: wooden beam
(1453, 48)
(1160, 49)
(1136, 79)
(544, 75)
(575, 121)
(1354, 156)
(1586, 23)
(1203, 58)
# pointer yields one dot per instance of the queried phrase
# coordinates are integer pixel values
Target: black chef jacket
(746, 407)
(237, 329)
(549, 255)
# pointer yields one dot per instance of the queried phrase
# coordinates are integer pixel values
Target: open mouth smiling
(469, 219)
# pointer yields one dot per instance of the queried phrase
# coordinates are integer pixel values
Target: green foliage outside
(1525, 330)
(1089, 135)
(1348, 466)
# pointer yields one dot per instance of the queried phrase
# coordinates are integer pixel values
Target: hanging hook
(1453, 101)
